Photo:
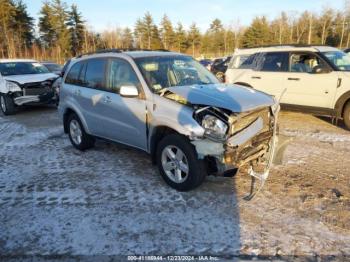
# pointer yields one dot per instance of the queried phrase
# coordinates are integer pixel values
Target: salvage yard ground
(55, 200)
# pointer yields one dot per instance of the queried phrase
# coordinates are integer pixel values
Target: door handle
(107, 99)
(77, 92)
(339, 82)
(256, 77)
(293, 79)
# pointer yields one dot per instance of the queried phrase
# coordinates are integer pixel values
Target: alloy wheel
(175, 164)
(75, 131)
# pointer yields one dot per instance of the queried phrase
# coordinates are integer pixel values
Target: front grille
(38, 88)
(246, 119)
(35, 91)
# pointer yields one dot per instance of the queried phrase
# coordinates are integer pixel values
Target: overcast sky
(104, 14)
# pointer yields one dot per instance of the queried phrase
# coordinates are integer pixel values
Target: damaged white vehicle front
(24, 82)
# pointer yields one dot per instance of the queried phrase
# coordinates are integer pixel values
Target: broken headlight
(214, 127)
(12, 87)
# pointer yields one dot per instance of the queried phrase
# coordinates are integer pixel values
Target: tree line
(61, 32)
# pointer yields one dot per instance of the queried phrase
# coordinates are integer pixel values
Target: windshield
(167, 71)
(340, 59)
(22, 68)
(53, 67)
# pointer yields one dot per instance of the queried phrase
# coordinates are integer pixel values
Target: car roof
(138, 54)
(17, 60)
(48, 62)
(287, 48)
(127, 53)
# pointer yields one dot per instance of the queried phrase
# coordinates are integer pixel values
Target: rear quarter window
(248, 62)
(73, 74)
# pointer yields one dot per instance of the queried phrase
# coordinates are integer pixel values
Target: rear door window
(274, 62)
(95, 73)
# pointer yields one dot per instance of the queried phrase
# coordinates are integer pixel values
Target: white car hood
(33, 78)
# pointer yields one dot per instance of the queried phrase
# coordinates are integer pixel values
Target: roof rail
(120, 50)
(286, 45)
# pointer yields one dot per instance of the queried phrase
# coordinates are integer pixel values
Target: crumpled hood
(33, 78)
(231, 97)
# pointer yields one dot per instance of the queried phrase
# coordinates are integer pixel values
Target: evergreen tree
(180, 36)
(23, 25)
(138, 32)
(258, 33)
(59, 22)
(217, 35)
(146, 33)
(167, 32)
(46, 29)
(7, 13)
(127, 39)
(148, 29)
(76, 30)
(194, 37)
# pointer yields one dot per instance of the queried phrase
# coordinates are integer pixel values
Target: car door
(124, 117)
(269, 72)
(310, 81)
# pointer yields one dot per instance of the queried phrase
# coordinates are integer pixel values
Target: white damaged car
(25, 82)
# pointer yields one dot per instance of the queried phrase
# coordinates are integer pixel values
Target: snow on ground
(110, 200)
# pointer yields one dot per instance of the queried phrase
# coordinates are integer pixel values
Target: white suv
(25, 82)
(316, 79)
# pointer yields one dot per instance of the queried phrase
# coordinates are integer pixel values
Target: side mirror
(129, 91)
(61, 74)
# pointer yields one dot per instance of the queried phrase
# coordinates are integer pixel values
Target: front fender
(176, 116)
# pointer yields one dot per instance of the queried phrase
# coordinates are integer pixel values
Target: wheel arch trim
(340, 104)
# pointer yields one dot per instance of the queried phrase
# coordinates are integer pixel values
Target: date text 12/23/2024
(172, 258)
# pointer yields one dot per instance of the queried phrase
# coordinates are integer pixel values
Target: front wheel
(178, 163)
(347, 115)
(7, 105)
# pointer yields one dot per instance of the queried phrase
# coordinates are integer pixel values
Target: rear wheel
(77, 135)
(178, 163)
(347, 115)
(7, 105)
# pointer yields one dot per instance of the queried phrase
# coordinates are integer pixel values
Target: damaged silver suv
(170, 106)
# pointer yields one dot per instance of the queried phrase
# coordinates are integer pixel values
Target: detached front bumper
(41, 98)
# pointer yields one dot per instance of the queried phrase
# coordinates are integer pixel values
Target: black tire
(347, 115)
(7, 105)
(87, 141)
(197, 171)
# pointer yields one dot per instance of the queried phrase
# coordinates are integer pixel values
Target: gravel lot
(111, 201)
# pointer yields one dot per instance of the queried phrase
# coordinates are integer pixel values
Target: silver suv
(170, 106)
